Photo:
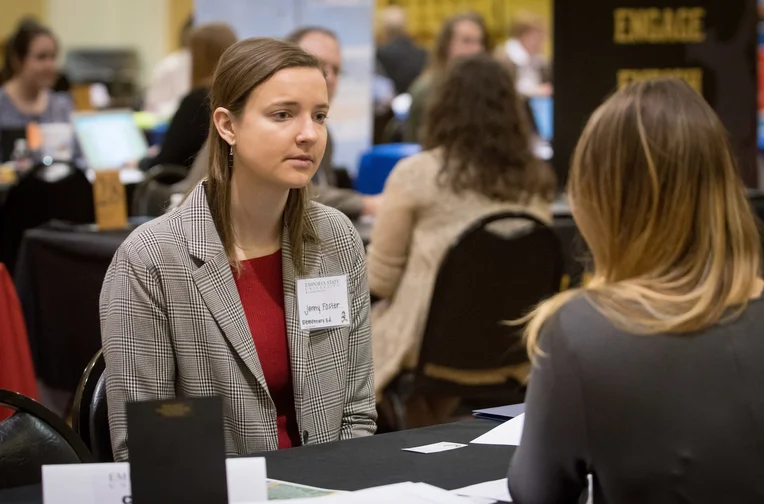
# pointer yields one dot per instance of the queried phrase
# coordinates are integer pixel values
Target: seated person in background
(650, 377)
(324, 44)
(400, 58)
(171, 79)
(189, 126)
(28, 76)
(524, 53)
(461, 35)
(204, 300)
(477, 160)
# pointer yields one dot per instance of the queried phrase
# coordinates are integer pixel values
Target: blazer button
(305, 437)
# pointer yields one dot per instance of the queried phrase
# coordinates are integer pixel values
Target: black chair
(485, 279)
(35, 200)
(90, 414)
(152, 196)
(32, 437)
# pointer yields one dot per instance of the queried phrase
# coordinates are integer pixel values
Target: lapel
(215, 281)
(299, 340)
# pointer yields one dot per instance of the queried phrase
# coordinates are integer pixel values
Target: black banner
(601, 44)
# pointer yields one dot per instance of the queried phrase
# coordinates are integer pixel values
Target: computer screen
(109, 140)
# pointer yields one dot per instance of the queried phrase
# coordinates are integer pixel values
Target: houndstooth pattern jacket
(173, 325)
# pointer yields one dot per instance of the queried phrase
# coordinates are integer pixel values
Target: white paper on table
(435, 447)
(400, 493)
(507, 434)
(496, 490)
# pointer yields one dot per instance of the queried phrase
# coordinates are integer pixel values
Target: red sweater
(261, 289)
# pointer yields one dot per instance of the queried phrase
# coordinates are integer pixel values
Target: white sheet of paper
(110, 483)
(495, 490)
(435, 447)
(508, 433)
(399, 493)
(323, 302)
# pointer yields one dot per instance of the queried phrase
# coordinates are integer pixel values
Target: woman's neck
(27, 95)
(257, 212)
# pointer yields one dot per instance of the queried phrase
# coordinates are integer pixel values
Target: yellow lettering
(693, 76)
(659, 26)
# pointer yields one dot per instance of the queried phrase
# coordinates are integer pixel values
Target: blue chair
(378, 162)
(543, 114)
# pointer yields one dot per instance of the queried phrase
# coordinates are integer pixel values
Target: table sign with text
(110, 483)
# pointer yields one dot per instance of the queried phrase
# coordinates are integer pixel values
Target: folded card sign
(110, 483)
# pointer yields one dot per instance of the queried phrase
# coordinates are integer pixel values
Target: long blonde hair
(243, 67)
(657, 197)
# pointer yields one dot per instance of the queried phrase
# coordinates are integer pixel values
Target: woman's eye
(281, 116)
(321, 117)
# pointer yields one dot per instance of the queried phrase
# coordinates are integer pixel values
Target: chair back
(488, 277)
(32, 437)
(152, 196)
(90, 414)
(36, 200)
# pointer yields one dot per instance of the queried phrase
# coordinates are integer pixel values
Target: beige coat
(417, 222)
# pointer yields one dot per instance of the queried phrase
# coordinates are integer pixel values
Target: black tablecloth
(373, 461)
(59, 278)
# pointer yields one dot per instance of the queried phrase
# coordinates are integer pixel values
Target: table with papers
(378, 461)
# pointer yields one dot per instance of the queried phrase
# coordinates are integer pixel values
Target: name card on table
(110, 200)
(110, 483)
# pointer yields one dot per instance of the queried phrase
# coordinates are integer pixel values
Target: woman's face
(38, 69)
(281, 135)
(467, 39)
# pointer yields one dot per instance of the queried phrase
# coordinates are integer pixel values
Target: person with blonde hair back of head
(210, 298)
(650, 377)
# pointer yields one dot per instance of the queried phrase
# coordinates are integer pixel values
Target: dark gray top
(658, 419)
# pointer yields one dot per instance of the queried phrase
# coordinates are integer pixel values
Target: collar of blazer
(216, 284)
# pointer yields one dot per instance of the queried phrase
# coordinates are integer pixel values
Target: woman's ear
(224, 123)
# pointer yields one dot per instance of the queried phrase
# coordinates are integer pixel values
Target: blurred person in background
(28, 76)
(171, 79)
(524, 53)
(401, 59)
(649, 378)
(325, 45)
(189, 126)
(477, 160)
(461, 35)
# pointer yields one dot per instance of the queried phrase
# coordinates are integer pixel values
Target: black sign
(177, 451)
(602, 44)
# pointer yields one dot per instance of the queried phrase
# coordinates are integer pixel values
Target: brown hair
(243, 67)
(657, 196)
(297, 35)
(477, 119)
(439, 57)
(17, 46)
(206, 44)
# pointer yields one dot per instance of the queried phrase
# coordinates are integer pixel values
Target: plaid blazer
(173, 325)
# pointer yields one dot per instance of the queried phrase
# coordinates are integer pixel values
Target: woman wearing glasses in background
(650, 378)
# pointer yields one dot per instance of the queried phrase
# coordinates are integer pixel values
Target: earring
(230, 158)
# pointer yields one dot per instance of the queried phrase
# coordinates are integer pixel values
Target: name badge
(323, 302)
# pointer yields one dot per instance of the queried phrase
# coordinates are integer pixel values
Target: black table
(373, 461)
(59, 277)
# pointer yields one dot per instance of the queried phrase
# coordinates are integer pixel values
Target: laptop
(109, 140)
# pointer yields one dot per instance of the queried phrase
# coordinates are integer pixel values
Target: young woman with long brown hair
(477, 160)
(248, 290)
(464, 34)
(650, 377)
